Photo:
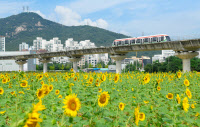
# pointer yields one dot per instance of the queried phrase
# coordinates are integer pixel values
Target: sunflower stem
(63, 117)
(71, 119)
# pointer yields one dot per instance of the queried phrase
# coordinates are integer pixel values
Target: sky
(177, 18)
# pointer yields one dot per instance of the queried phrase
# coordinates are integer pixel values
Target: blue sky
(178, 18)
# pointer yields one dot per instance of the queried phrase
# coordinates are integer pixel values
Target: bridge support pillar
(45, 61)
(186, 56)
(75, 60)
(118, 58)
(21, 64)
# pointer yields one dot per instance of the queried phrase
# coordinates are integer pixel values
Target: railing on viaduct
(185, 49)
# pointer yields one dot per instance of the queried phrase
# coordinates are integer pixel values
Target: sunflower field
(99, 99)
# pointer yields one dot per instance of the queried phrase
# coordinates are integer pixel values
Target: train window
(138, 41)
(162, 38)
(154, 39)
(119, 42)
(168, 38)
(146, 40)
(126, 42)
(133, 41)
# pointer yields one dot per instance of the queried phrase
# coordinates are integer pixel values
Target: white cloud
(70, 18)
(39, 13)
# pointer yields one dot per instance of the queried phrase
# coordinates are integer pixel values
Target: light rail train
(141, 40)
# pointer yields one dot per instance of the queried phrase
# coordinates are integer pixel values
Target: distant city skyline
(178, 18)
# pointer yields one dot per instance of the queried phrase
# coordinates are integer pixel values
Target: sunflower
(40, 93)
(24, 83)
(85, 76)
(103, 77)
(185, 104)
(71, 104)
(1, 91)
(57, 92)
(100, 90)
(186, 82)
(146, 79)
(146, 102)
(13, 92)
(4, 80)
(116, 78)
(45, 89)
(121, 106)
(169, 96)
(136, 113)
(21, 92)
(71, 69)
(50, 87)
(179, 74)
(178, 99)
(103, 99)
(141, 116)
(72, 75)
(188, 93)
(2, 112)
(192, 106)
(75, 78)
(91, 80)
(158, 88)
(60, 96)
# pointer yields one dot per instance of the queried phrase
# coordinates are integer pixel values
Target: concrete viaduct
(184, 49)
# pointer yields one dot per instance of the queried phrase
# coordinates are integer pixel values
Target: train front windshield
(168, 38)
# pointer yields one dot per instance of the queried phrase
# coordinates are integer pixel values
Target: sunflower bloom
(2, 112)
(136, 113)
(186, 82)
(4, 80)
(103, 77)
(103, 99)
(188, 93)
(40, 93)
(121, 106)
(178, 99)
(192, 106)
(158, 88)
(116, 78)
(57, 92)
(1, 91)
(71, 104)
(146, 79)
(185, 104)
(179, 74)
(169, 96)
(141, 116)
(24, 83)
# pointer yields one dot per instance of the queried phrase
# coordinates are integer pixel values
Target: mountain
(26, 26)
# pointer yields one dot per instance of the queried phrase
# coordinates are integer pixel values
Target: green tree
(52, 67)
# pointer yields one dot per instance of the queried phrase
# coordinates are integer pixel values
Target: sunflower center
(40, 93)
(73, 105)
(170, 95)
(23, 84)
(103, 98)
(120, 105)
(141, 116)
(0, 91)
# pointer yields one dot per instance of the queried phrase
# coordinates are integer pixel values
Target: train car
(141, 40)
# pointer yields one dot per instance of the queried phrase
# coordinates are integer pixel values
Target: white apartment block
(53, 45)
(93, 59)
(2, 44)
(23, 46)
